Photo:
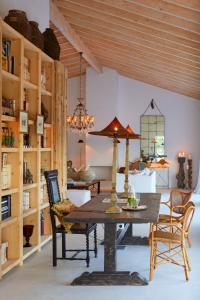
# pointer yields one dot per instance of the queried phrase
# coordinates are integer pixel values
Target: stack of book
(8, 61)
(5, 207)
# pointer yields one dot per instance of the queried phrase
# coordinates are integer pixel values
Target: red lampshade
(114, 129)
(132, 134)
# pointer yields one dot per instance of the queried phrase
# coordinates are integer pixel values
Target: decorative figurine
(181, 174)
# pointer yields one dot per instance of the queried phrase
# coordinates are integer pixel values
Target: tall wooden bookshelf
(30, 93)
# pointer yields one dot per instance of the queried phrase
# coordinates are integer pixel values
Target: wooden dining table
(94, 212)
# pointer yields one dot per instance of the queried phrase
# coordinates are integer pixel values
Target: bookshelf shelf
(33, 87)
(9, 265)
(9, 191)
(29, 212)
(30, 149)
(45, 149)
(30, 85)
(5, 118)
(46, 93)
(8, 222)
(44, 205)
(29, 251)
(9, 150)
(9, 76)
(29, 186)
(45, 239)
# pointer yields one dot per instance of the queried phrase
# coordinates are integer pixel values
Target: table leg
(110, 276)
(110, 234)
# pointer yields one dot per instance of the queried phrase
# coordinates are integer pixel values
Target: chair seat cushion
(164, 218)
(164, 236)
(63, 207)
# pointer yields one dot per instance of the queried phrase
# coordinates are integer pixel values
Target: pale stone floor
(38, 280)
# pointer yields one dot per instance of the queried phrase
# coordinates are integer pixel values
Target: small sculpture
(181, 174)
(44, 112)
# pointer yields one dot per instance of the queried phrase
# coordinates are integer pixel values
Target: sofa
(141, 182)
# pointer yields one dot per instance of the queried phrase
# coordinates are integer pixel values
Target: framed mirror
(152, 129)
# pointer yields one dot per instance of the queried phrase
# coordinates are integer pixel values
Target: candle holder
(189, 173)
(27, 232)
(181, 174)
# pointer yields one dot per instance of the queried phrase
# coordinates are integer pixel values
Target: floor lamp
(114, 130)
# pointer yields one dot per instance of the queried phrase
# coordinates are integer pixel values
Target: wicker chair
(86, 229)
(177, 203)
(174, 242)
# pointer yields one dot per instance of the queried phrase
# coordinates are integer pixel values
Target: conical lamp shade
(114, 129)
(132, 134)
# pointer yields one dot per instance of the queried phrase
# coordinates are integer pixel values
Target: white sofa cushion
(140, 182)
(79, 197)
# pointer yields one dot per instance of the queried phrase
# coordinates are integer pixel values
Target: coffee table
(94, 212)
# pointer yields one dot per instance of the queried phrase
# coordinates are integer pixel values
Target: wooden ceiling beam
(173, 56)
(131, 35)
(155, 79)
(171, 9)
(194, 4)
(122, 24)
(130, 39)
(182, 76)
(145, 55)
(69, 33)
(129, 11)
(164, 85)
(153, 68)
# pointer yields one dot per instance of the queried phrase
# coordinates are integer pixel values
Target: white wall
(37, 10)
(101, 99)
(109, 94)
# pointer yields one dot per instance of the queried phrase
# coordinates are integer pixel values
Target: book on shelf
(5, 207)
(42, 223)
(4, 253)
(26, 200)
(8, 61)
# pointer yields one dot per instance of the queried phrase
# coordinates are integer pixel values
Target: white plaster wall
(101, 99)
(37, 10)
(109, 94)
(182, 120)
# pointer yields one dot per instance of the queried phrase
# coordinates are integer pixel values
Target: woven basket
(51, 45)
(36, 36)
(18, 20)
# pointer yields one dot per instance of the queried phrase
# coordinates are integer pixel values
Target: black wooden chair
(86, 229)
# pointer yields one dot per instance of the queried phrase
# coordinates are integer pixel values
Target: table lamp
(131, 135)
(114, 130)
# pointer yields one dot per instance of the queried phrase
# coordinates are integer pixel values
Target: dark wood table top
(94, 211)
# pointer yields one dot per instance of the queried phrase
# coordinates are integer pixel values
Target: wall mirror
(152, 129)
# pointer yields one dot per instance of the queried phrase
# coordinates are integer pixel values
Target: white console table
(162, 176)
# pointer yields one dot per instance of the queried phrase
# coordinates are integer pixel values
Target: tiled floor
(38, 280)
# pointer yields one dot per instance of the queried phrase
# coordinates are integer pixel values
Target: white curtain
(197, 189)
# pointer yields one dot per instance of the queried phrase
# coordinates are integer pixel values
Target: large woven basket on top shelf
(18, 20)
(51, 45)
(36, 36)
